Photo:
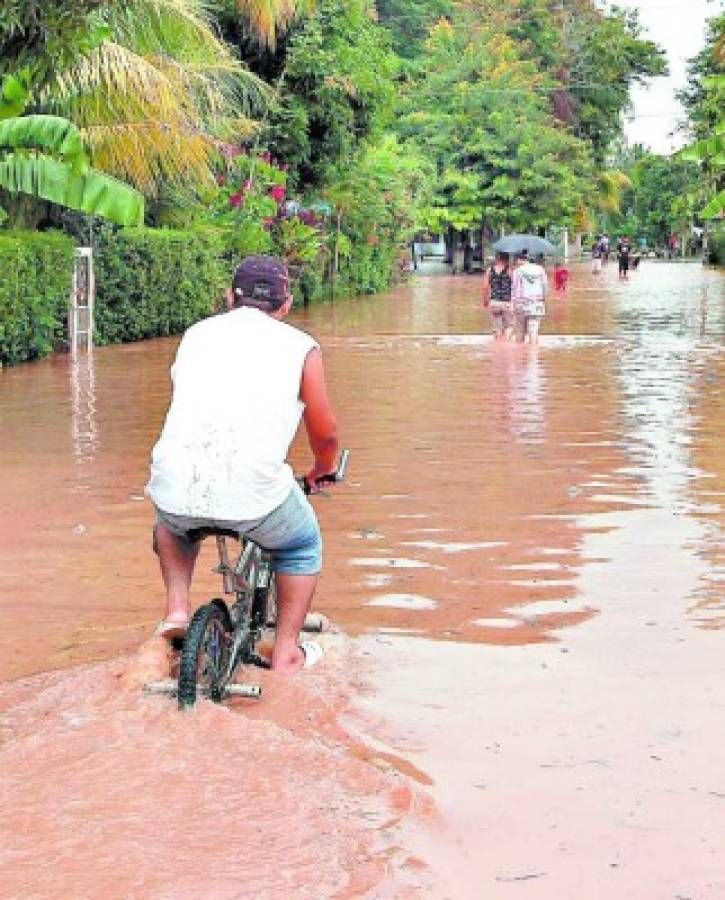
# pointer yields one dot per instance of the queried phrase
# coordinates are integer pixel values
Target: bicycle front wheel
(205, 655)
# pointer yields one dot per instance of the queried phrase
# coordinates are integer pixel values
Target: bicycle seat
(198, 534)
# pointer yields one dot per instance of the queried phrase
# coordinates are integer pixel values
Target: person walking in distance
(218, 464)
(561, 276)
(596, 257)
(528, 292)
(623, 258)
(497, 297)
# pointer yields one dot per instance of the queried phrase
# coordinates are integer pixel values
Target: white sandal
(313, 653)
(170, 629)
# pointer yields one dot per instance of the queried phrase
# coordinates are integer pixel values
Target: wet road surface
(526, 568)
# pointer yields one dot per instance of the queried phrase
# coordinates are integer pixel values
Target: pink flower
(236, 199)
(231, 150)
(278, 193)
(220, 180)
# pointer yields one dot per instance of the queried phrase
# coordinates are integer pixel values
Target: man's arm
(319, 417)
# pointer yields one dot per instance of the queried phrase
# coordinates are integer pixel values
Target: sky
(679, 27)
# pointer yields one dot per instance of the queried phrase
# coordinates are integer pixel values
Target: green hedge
(156, 282)
(34, 289)
(149, 283)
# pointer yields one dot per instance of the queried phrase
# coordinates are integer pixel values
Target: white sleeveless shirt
(234, 412)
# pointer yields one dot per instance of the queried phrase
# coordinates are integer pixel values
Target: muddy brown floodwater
(523, 693)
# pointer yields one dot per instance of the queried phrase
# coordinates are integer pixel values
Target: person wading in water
(497, 296)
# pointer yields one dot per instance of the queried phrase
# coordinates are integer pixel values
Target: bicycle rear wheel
(205, 654)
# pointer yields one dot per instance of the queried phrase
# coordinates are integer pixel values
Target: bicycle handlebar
(333, 477)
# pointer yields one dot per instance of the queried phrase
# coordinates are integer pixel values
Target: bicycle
(222, 637)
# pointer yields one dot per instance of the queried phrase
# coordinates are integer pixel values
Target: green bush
(369, 269)
(37, 270)
(156, 282)
(716, 246)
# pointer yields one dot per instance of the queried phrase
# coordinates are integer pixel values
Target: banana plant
(44, 157)
(711, 152)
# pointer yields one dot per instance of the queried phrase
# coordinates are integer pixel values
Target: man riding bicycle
(241, 383)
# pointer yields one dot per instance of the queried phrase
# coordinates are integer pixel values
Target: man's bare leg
(177, 557)
(294, 597)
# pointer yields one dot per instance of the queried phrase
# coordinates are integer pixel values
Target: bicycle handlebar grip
(342, 466)
(333, 477)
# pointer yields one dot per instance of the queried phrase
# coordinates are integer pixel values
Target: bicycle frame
(245, 579)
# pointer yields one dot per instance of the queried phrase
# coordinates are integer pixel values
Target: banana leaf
(50, 134)
(715, 208)
(53, 180)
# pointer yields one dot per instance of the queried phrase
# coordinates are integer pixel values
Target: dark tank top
(500, 285)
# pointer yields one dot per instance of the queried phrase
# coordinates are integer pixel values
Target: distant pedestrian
(604, 244)
(561, 277)
(528, 292)
(624, 252)
(596, 257)
(497, 296)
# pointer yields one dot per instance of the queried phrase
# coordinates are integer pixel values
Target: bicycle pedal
(252, 691)
(314, 622)
(161, 687)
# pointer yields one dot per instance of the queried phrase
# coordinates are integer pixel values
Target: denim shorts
(290, 533)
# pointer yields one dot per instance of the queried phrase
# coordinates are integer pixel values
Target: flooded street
(522, 696)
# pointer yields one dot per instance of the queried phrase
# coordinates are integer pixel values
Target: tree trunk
(25, 213)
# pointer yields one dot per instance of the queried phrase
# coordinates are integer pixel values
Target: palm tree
(156, 97)
(268, 18)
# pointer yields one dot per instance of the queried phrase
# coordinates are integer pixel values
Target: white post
(566, 244)
(80, 311)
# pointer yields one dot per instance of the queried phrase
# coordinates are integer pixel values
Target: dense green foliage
(704, 99)
(45, 34)
(34, 293)
(336, 90)
(409, 22)
(716, 250)
(659, 200)
(499, 160)
(704, 96)
(151, 283)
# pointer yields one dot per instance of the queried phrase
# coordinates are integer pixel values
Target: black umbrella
(532, 243)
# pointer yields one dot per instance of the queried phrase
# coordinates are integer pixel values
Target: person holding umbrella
(528, 292)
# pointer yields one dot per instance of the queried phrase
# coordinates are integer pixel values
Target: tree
(155, 97)
(500, 156)
(409, 22)
(704, 96)
(704, 99)
(336, 90)
(46, 35)
(656, 202)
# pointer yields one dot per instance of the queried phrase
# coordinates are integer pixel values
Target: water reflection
(666, 353)
(84, 419)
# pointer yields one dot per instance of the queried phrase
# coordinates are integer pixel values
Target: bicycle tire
(209, 623)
